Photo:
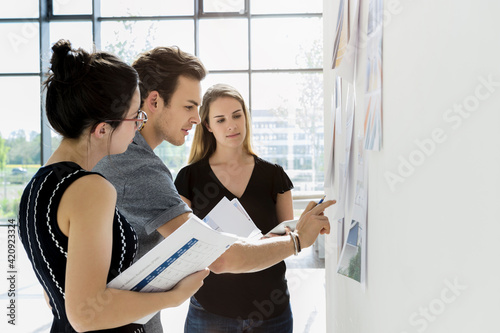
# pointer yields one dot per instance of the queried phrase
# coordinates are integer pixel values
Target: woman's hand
(188, 286)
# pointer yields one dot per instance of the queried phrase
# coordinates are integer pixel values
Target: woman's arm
(89, 205)
(284, 206)
(47, 299)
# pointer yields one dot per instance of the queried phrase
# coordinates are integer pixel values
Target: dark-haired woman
(74, 236)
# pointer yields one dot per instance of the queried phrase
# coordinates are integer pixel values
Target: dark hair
(85, 89)
(160, 68)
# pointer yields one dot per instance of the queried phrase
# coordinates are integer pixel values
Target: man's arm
(245, 257)
(169, 227)
(242, 256)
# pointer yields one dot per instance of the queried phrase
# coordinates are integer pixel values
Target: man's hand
(313, 222)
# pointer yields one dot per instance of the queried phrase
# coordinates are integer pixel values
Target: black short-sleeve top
(240, 295)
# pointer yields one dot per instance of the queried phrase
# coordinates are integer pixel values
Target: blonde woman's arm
(284, 206)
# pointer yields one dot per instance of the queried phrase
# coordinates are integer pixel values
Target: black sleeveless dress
(47, 246)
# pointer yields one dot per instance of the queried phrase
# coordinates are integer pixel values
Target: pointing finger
(322, 206)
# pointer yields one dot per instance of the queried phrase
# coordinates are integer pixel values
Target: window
(20, 110)
(72, 7)
(270, 50)
(223, 6)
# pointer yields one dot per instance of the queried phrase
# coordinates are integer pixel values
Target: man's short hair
(159, 70)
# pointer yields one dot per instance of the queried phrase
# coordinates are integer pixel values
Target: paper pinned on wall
(348, 67)
(373, 93)
(350, 259)
(337, 129)
(352, 262)
(340, 238)
(342, 156)
(341, 33)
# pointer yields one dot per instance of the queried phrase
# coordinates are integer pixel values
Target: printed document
(230, 216)
(191, 248)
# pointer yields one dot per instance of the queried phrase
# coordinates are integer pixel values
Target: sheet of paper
(330, 175)
(373, 93)
(192, 247)
(347, 69)
(341, 34)
(350, 259)
(352, 262)
(340, 238)
(238, 205)
(226, 217)
(256, 233)
(343, 154)
(280, 228)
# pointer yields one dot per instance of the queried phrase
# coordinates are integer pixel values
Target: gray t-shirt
(147, 196)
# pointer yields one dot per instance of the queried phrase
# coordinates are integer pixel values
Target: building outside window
(270, 50)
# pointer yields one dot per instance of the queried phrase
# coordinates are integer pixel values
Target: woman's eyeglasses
(140, 120)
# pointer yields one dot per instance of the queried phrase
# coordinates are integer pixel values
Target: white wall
(440, 226)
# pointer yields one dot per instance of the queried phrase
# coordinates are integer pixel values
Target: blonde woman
(222, 163)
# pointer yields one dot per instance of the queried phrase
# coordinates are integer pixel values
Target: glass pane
(224, 43)
(12, 90)
(224, 6)
(146, 7)
(21, 9)
(21, 135)
(129, 38)
(20, 48)
(175, 157)
(286, 6)
(287, 43)
(238, 81)
(288, 125)
(55, 140)
(78, 33)
(72, 7)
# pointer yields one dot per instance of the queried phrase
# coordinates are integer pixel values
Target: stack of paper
(232, 218)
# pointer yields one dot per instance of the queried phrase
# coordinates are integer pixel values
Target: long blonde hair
(204, 143)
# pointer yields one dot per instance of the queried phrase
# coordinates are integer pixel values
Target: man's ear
(101, 130)
(152, 101)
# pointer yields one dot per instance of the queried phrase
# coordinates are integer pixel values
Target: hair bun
(61, 48)
(68, 65)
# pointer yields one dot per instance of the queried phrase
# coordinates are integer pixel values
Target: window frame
(46, 17)
(202, 13)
